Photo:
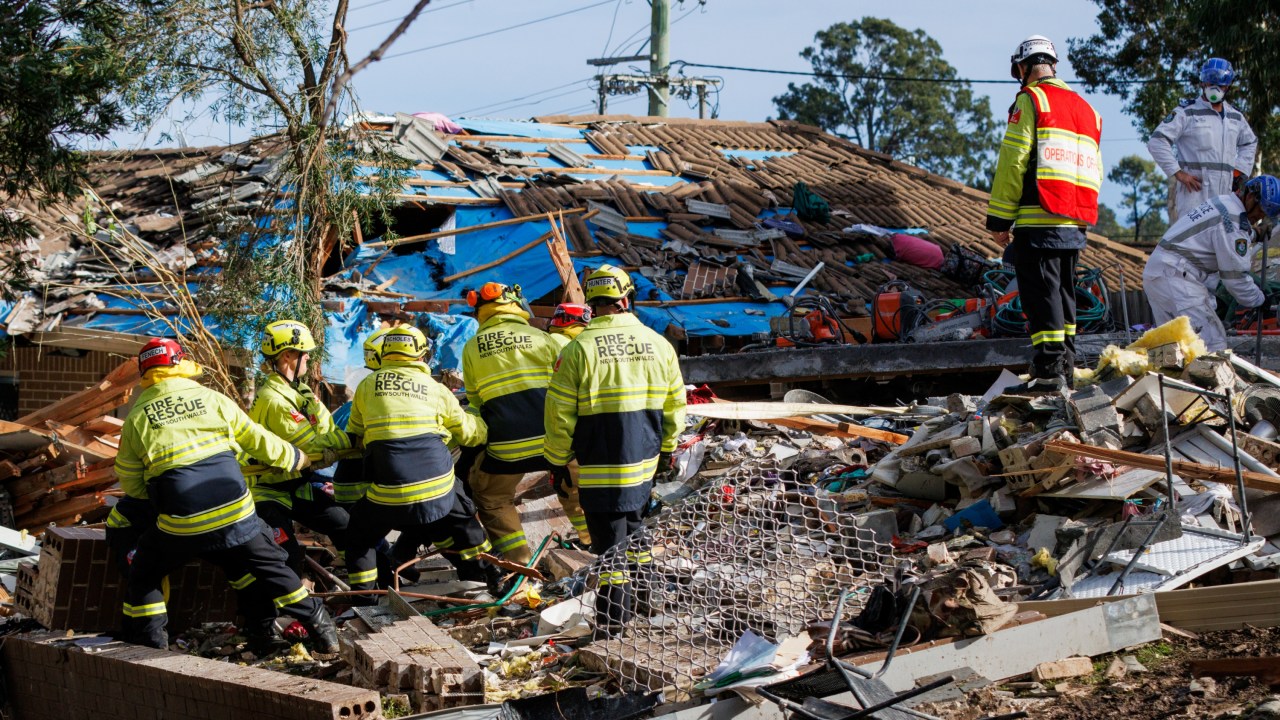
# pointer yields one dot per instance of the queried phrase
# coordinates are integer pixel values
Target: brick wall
(45, 375)
(47, 676)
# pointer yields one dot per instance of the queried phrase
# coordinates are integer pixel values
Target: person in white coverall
(1214, 237)
(1205, 143)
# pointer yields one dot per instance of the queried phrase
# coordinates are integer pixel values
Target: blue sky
(541, 68)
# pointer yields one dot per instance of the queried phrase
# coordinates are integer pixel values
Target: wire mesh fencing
(751, 551)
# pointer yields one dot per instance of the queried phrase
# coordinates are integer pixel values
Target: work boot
(323, 631)
(1037, 386)
(498, 588)
(265, 641)
(156, 638)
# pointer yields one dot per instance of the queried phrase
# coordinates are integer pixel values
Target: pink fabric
(917, 251)
(442, 123)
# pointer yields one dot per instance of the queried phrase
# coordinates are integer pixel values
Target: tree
(1145, 191)
(1149, 53)
(861, 94)
(56, 90)
(1107, 225)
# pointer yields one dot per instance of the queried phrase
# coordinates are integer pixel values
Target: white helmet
(1029, 48)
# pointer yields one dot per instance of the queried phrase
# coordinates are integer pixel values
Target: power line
(369, 5)
(612, 26)
(514, 102)
(517, 99)
(902, 78)
(380, 23)
(499, 30)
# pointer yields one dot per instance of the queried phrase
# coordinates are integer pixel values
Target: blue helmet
(1217, 71)
(1267, 188)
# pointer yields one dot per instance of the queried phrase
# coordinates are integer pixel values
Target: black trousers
(625, 580)
(458, 531)
(1047, 288)
(258, 562)
(319, 514)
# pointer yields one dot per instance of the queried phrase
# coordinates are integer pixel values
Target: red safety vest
(1068, 164)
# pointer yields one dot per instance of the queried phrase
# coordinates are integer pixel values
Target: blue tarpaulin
(347, 330)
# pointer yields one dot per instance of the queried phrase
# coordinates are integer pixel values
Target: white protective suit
(1215, 237)
(1195, 138)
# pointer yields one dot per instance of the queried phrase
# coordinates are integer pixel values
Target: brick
(418, 658)
(1065, 668)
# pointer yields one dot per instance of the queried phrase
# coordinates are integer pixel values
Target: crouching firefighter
(178, 449)
(286, 406)
(407, 420)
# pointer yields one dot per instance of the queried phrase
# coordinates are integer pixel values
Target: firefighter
(506, 367)
(1205, 145)
(1215, 237)
(616, 402)
(406, 420)
(286, 406)
(568, 321)
(1046, 191)
(348, 476)
(178, 450)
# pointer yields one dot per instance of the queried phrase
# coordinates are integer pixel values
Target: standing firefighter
(1205, 144)
(408, 420)
(1046, 191)
(286, 406)
(178, 449)
(506, 368)
(1214, 238)
(616, 402)
(567, 322)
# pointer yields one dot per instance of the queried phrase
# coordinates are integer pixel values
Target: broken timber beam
(1185, 469)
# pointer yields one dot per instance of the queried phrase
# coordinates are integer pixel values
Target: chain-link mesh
(754, 551)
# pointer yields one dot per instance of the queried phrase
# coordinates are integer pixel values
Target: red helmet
(159, 352)
(570, 314)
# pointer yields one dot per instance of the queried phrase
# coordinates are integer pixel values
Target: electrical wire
(368, 5)
(437, 8)
(505, 108)
(612, 26)
(486, 108)
(499, 30)
(901, 78)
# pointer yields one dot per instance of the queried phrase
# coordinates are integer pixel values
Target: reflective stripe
(1224, 167)
(159, 463)
(1042, 100)
(518, 379)
(137, 611)
(640, 558)
(613, 578)
(1069, 329)
(360, 578)
(590, 476)
(208, 521)
(426, 423)
(1034, 215)
(444, 544)
(298, 596)
(243, 582)
(412, 492)
(1185, 254)
(347, 493)
(510, 541)
(472, 552)
(117, 520)
(579, 522)
(1045, 336)
(512, 450)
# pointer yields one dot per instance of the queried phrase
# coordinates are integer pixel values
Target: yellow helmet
(284, 335)
(373, 348)
(405, 340)
(609, 282)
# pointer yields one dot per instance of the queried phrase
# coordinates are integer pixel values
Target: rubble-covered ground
(1164, 688)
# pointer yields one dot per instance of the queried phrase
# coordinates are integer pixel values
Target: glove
(561, 480)
(304, 462)
(330, 457)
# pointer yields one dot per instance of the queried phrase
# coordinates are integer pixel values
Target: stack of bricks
(47, 676)
(45, 375)
(416, 658)
(76, 586)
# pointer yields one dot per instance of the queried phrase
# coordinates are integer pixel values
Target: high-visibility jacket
(407, 419)
(1214, 237)
(616, 401)
(506, 368)
(1050, 168)
(299, 418)
(178, 448)
(1212, 146)
(348, 476)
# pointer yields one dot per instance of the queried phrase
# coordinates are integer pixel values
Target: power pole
(659, 92)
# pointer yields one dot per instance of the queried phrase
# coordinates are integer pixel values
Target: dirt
(1164, 691)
